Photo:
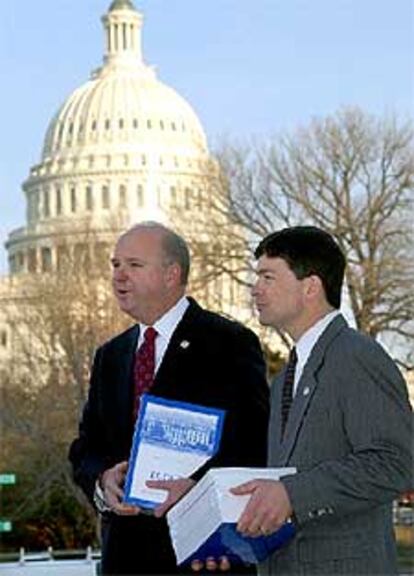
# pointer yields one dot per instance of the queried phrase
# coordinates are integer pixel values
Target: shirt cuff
(99, 499)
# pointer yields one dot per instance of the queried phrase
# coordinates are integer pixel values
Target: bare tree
(58, 322)
(350, 174)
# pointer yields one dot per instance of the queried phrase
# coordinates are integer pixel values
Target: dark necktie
(287, 392)
(144, 367)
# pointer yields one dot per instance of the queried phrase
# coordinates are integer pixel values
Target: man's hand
(176, 490)
(268, 508)
(112, 483)
(211, 564)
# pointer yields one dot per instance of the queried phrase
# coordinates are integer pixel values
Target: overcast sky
(248, 67)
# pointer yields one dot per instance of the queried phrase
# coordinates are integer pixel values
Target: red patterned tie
(144, 367)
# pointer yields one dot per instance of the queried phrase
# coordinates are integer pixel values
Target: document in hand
(171, 440)
(203, 523)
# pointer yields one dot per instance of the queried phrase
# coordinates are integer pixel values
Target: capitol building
(123, 147)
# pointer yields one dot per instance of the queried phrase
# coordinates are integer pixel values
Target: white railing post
(89, 554)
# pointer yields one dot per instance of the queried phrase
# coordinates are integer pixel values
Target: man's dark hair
(308, 251)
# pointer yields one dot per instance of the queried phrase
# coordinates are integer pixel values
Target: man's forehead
(139, 243)
(141, 237)
(269, 262)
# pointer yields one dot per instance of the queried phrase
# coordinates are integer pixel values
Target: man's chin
(123, 306)
(263, 320)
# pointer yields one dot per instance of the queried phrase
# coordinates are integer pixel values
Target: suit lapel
(275, 423)
(305, 390)
(124, 388)
(178, 350)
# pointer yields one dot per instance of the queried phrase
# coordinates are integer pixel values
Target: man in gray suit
(346, 425)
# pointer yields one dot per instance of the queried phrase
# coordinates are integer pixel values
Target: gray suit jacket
(349, 434)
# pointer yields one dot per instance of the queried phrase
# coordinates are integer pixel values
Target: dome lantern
(123, 25)
(120, 4)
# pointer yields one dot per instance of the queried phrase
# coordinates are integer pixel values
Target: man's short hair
(308, 251)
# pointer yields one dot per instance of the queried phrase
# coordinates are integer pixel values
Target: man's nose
(119, 273)
(255, 289)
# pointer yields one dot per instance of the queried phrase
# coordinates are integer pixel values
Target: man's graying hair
(174, 246)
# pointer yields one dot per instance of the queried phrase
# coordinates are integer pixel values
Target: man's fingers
(249, 521)
(211, 564)
(159, 484)
(245, 488)
(126, 510)
(113, 494)
(121, 470)
(224, 564)
(162, 508)
(175, 490)
(119, 493)
(197, 565)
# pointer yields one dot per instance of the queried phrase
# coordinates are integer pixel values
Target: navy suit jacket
(222, 367)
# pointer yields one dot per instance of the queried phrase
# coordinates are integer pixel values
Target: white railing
(52, 563)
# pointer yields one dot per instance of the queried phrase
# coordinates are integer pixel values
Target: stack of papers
(203, 523)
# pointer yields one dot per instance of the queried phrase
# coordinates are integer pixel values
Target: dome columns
(123, 35)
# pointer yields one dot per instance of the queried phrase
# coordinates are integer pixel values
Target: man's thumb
(246, 488)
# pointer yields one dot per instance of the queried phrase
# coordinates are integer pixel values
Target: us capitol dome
(123, 147)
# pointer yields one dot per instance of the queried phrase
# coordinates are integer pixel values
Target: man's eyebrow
(128, 258)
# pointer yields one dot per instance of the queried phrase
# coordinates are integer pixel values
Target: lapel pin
(306, 391)
(184, 344)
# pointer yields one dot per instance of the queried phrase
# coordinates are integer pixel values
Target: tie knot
(150, 334)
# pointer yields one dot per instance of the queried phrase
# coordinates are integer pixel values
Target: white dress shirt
(306, 343)
(165, 327)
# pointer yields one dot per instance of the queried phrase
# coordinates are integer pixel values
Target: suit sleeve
(376, 424)
(87, 454)
(244, 393)
(247, 428)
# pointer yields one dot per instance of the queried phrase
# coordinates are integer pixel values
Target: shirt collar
(307, 341)
(166, 325)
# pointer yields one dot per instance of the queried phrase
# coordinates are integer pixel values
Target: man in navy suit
(340, 414)
(200, 357)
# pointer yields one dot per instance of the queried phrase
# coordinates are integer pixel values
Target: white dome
(120, 108)
(122, 147)
(123, 104)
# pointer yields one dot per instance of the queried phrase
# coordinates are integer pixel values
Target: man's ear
(173, 274)
(313, 287)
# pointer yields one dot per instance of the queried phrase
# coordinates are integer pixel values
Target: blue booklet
(226, 541)
(171, 440)
(204, 522)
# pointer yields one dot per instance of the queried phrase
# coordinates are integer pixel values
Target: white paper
(210, 503)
